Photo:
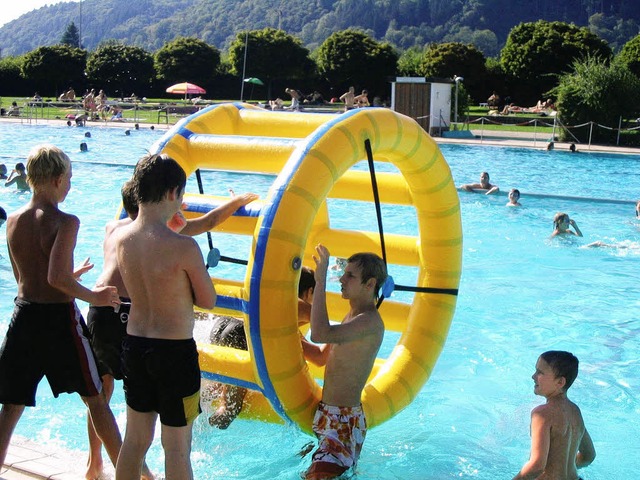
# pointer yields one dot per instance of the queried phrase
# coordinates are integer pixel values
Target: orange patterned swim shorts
(341, 432)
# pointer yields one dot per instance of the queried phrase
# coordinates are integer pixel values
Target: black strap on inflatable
(210, 240)
(237, 261)
(376, 197)
(201, 189)
(444, 291)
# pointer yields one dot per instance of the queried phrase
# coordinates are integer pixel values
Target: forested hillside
(404, 23)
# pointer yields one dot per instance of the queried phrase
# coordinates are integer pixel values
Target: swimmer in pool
(484, 185)
(561, 224)
(514, 196)
(560, 442)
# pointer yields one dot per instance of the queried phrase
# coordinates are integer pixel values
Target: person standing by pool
(165, 276)
(348, 98)
(108, 327)
(483, 185)
(560, 442)
(561, 224)
(339, 422)
(19, 178)
(47, 334)
(514, 197)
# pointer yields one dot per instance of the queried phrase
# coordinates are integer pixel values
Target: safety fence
(555, 126)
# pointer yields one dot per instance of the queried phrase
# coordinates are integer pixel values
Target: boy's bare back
(110, 274)
(563, 421)
(35, 234)
(165, 276)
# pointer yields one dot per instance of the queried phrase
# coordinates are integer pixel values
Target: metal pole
(80, 27)
(590, 133)
(619, 128)
(244, 65)
(455, 112)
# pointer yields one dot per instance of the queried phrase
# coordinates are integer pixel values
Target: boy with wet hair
(351, 349)
(19, 178)
(560, 443)
(108, 327)
(47, 334)
(165, 276)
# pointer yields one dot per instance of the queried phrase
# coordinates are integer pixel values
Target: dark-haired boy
(352, 345)
(108, 328)
(19, 178)
(165, 276)
(560, 443)
(47, 334)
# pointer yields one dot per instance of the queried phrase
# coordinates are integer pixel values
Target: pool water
(521, 293)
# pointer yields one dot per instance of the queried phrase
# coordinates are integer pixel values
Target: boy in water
(47, 335)
(165, 276)
(514, 197)
(352, 345)
(19, 177)
(108, 327)
(560, 443)
(561, 224)
(483, 185)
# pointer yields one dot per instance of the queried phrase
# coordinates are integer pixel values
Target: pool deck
(477, 136)
(29, 460)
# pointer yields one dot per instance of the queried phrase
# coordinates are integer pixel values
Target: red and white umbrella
(186, 88)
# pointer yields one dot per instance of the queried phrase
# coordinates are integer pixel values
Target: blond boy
(560, 443)
(165, 276)
(352, 345)
(47, 334)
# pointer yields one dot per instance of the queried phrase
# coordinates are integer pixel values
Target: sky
(12, 9)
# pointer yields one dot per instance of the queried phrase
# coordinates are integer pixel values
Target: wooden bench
(177, 110)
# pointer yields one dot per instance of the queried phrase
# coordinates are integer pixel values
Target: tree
(271, 54)
(11, 78)
(120, 69)
(187, 59)
(597, 91)
(537, 53)
(409, 62)
(351, 57)
(52, 69)
(71, 36)
(630, 55)
(446, 60)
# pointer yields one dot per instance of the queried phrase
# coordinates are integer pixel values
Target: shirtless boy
(165, 276)
(560, 443)
(561, 224)
(19, 178)
(47, 334)
(108, 327)
(339, 422)
(514, 198)
(483, 185)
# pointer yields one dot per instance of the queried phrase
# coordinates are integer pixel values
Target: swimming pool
(521, 294)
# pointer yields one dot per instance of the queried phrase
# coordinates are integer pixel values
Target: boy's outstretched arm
(215, 217)
(540, 443)
(586, 451)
